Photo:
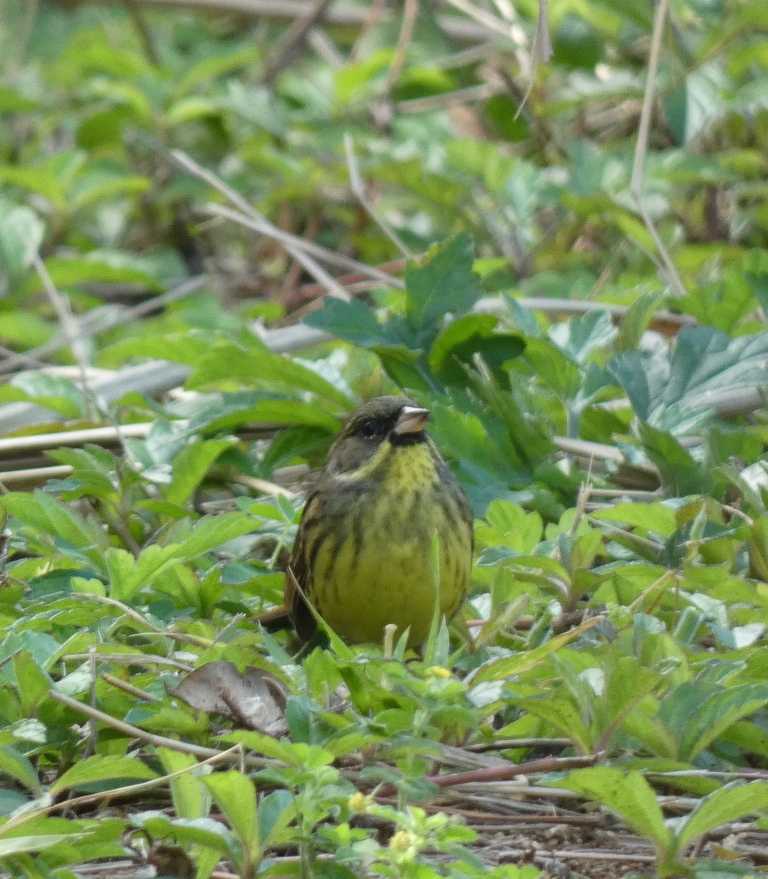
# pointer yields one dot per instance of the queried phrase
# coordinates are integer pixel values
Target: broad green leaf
(582, 335)
(507, 524)
(698, 712)
(235, 794)
(680, 473)
(15, 845)
(191, 465)
(498, 669)
(32, 682)
(655, 518)
(18, 767)
(102, 768)
(626, 794)
(676, 393)
(189, 794)
(352, 321)
(262, 368)
(564, 716)
(205, 832)
(443, 282)
(213, 66)
(276, 811)
(43, 512)
(727, 804)
(53, 392)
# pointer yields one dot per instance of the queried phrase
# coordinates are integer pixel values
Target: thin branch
(637, 184)
(513, 770)
(410, 13)
(358, 188)
(351, 15)
(299, 254)
(293, 38)
(97, 435)
(127, 790)
(70, 332)
(142, 29)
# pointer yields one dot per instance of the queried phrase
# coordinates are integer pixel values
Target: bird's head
(396, 421)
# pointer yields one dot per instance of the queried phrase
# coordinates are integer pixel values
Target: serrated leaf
(582, 335)
(442, 282)
(697, 713)
(626, 794)
(352, 321)
(727, 804)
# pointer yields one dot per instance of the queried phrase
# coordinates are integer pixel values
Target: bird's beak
(412, 419)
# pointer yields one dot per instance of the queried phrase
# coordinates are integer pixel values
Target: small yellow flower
(402, 841)
(358, 802)
(438, 671)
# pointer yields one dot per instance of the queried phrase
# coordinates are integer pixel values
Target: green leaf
(581, 336)
(21, 234)
(191, 465)
(263, 368)
(442, 282)
(235, 794)
(697, 713)
(16, 845)
(53, 392)
(498, 669)
(727, 804)
(460, 341)
(16, 766)
(352, 321)
(626, 794)
(127, 575)
(102, 768)
(676, 393)
(637, 318)
(652, 518)
(43, 512)
(189, 794)
(32, 682)
(507, 524)
(680, 473)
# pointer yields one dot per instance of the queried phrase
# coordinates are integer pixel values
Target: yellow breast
(383, 570)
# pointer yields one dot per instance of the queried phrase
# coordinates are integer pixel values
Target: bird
(364, 552)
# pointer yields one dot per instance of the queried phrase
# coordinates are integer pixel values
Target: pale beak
(412, 419)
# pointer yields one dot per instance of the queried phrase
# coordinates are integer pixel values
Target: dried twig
(293, 38)
(344, 14)
(332, 287)
(358, 188)
(69, 330)
(637, 184)
(513, 770)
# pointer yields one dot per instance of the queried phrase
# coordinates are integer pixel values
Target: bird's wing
(298, 579)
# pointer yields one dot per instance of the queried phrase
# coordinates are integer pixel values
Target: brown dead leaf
(253, 698)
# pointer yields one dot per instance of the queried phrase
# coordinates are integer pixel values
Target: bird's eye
(369, 429)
